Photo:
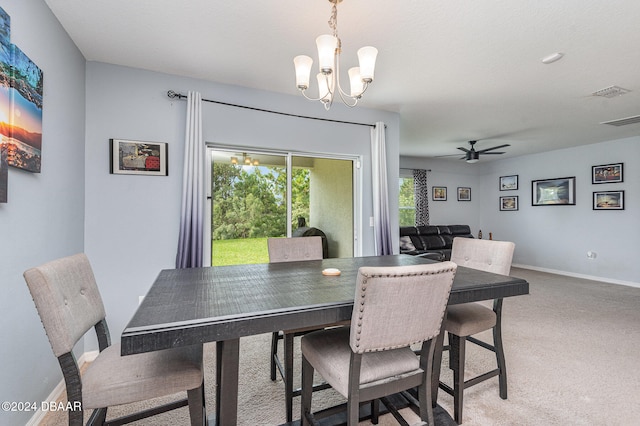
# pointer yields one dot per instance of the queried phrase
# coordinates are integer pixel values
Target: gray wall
(44, 218)
(554, 238)
(132, 221)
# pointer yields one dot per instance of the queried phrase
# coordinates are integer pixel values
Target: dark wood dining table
(222, 304)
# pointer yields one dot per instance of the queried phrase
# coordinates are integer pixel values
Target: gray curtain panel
(190, 241)
(382, 227)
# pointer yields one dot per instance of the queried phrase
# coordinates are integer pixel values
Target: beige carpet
(572, 350)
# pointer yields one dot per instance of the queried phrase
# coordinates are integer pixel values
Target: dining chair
(394, 307)
(465, 320)
(291, 250)
(69, 304)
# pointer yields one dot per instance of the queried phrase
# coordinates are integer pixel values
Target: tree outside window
(407, 202)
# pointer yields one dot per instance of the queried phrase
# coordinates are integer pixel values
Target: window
(407, 202)
(256, 195)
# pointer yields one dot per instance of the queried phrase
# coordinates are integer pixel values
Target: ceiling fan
(472, 156)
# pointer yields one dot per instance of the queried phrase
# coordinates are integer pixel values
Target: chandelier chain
(333, 20)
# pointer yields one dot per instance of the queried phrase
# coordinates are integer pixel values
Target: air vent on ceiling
(611, 92)
(623, 121)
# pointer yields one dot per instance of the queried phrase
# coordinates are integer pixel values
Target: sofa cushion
(406, 244)
(444, 230)
(408, 230)
(428, 230)
(460, 230)
(432, 242)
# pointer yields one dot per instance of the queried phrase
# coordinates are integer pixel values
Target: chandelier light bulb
(303, 65)
(327, 45)
(367, 60)
(357, 85)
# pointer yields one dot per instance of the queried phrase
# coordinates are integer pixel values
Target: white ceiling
(455, 70)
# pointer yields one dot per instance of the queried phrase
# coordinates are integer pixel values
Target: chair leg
(196, 406)
(307, 391)
(288, 374)
(456, 363)
(353, 411)
(274, 353)
(502, 367)
(375, 411)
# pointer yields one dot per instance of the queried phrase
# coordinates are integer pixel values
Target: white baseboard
(57, 392)
(582, 276)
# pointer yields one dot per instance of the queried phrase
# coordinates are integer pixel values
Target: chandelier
(329, 49)
(246, 160)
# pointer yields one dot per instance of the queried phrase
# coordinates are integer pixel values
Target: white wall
(132, 221)
(44, 216)
(554, 238)
(558, 237)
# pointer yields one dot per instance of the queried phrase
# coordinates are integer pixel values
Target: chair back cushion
(485, 255)
(294, 249)
(397, 306)
(67, 299)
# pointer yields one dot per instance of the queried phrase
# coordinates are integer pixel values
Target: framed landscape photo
(608, 200)
(439, 193)
(464, 193)
(509, 203)
(508, 183)
(554, 192)
(138, 158)
(607, 173)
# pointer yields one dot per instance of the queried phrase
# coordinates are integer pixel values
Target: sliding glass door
(256, 195)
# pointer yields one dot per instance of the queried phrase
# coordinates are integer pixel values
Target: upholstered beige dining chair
(465, 320)
(291, 250)
(394, 307)
(69, 304)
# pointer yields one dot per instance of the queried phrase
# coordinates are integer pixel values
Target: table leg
(227, 362)
(437, 360)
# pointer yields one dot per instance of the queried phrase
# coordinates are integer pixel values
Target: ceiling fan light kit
(472, 156)
(329, 49)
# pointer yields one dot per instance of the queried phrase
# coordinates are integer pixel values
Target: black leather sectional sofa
(432, 241)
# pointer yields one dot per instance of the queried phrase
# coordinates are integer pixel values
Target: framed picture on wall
(464, 193)
(509, 203)
(508, 183)
(608, 200)
(439, 193)
(554, 192)
(138, 158)
(607, 173)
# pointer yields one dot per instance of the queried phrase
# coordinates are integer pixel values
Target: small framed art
(608, 200)
(138, 158)
(508, 183)
(509, 203)
(607, 173)
(554, 192)
(464, 193)
(439, 193)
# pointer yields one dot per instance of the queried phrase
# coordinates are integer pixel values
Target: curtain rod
(174, 95)
(404, 168)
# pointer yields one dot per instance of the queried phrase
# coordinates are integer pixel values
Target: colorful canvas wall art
(25, 145)
(5, 100)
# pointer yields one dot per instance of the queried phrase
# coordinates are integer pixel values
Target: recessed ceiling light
(552, 58)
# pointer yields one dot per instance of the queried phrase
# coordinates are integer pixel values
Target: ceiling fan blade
(492, 152)
(463, 149)
(492, 148)
(448, 155)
